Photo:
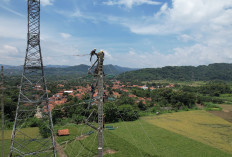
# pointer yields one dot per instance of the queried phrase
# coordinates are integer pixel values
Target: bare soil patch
(60, 151)
(82, 137)
(109, 151)
(200, 106)
(225, 115)
(226, 108)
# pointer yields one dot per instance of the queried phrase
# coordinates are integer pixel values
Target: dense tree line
(217, 71)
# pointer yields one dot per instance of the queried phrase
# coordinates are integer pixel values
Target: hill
(67, 72)
(217, 71)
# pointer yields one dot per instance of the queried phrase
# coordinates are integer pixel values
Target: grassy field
(144, 138)
(31, 145)
(33, 132)
(197, 125)
(182, 134)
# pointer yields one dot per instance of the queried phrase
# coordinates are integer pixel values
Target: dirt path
(82, 137)
(60, 151)
(108, 151)
(200, 106)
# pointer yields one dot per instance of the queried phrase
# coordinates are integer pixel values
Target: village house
(144, 87)
(116, 94)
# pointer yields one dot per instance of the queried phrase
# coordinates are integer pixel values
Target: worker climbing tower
(98, 72)
(33, 98)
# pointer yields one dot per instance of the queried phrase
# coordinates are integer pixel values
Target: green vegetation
(141, 138)
(174, 99)
(217, 71)
(32, 132)
(132, 134)
(146, 136)
(212, 107)
(197, 125)
(56, 73)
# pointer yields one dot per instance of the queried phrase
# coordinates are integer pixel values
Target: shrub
(128, 113)
(111, 112)
(44, 130)
(212, 107)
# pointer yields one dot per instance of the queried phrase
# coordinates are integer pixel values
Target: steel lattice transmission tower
(99, 99)
(100, 104)
(33, 97)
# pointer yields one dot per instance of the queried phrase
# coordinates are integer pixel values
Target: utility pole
(99, 99)
(2, 104)
(33, 96)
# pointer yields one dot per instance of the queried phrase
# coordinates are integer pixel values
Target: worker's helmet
(95, 49)
(101, 51)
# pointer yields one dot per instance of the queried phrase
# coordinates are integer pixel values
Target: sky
(132, 33)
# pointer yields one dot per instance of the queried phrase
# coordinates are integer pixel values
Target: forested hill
(66, 72)
(217, 71)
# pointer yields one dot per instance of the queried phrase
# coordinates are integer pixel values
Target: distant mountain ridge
(216, 71)
(63, 70)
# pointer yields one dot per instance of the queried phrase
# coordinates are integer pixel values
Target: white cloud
(65, 35)
(107, 55)
(206, 23)
(131, 3)
(8, 50)
(43, 2)
(10, 55)
(195, 55)
(77, 13)
(185, 37)
(46, 2)
(12, 11)
(13, 28)
(199, 15)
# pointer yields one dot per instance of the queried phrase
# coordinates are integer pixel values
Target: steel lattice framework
(99, 99)
(33, 97)
(100, 104)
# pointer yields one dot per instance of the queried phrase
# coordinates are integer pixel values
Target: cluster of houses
(79, 91)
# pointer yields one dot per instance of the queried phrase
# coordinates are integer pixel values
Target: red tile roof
(63, 132)
(125, 90)
(116, 94)
(141, 98)
(132, 96)
(60, 85)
